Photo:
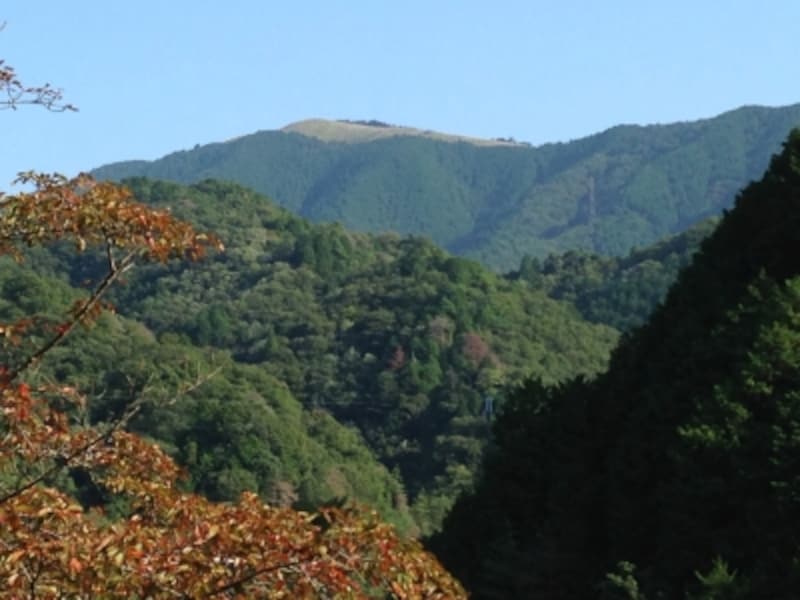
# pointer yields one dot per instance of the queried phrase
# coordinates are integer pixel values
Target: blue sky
(151, 77)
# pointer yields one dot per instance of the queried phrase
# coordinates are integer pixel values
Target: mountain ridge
(358, 131)
(606, 193)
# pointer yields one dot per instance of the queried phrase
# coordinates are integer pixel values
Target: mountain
(395, 339)
(618, 291)
(493, 200)
(674, 474)
(234, 427)
(367, 131)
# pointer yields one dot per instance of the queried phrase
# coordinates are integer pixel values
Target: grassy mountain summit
(627, 186)
(367, 131)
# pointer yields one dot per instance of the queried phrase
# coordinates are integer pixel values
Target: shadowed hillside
(674, 474)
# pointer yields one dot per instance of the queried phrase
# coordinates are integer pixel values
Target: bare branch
(201, 380)
(16, 93)
(112, 263)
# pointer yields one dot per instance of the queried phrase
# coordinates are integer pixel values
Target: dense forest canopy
(674, 473)
(617, 291)
(627, 186)
(390, 336)
(306, 327)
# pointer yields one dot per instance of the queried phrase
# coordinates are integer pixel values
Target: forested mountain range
(343, 364)
(496, 201)
(353, 365)
(674, 474)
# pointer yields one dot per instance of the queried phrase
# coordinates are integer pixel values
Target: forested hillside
(89, 507)
(235, 427)
(618, 291)
(354, 359)
(410, 346)
(628, 186)
(674, 474)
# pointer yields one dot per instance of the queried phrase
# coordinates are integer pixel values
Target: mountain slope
(628, 186)
(682, 458)
(239, 430)
(390, 335)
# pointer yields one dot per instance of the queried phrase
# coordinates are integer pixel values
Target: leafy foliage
(162, 542)
(388, 335)
(628, 186)
(682, 458)
(168, 542)
(618, 291)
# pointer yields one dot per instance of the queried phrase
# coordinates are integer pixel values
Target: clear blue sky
(153, 76)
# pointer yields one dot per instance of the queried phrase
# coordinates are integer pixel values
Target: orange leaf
(75, 565)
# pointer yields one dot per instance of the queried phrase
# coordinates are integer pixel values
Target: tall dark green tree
(675, 473)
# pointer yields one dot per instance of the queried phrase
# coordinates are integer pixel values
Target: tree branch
(16, 93)
(65, 330)
(133, 409)
(250, 576)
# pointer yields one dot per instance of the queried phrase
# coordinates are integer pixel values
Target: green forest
(350, 359)
(617, 291)
(349, 365)
(674, 473)
(626, 187)
(599, 410)
(579, 427)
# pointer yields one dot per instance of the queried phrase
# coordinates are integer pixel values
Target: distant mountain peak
(625, 187)
(344, 130)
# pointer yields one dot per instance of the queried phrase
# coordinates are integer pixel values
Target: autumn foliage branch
(91, 213)
(172, 544)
